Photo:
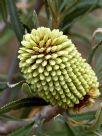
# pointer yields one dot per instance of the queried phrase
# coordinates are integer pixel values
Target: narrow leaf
(24, 131)
(25, 88)
(70, 131)
(91, 55)
(83, 116)
(35, 19)
(7, 117)
(98, 121)
(94, 46)
(47, 12)
(58, 126)
(15, 21)
(21, 103)
(3, 9)
(72, 13)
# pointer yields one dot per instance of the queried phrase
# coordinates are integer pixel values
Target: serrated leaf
(21, 103)
(25, 131)
(15, 21)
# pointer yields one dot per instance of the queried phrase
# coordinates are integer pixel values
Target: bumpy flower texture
(55, 70)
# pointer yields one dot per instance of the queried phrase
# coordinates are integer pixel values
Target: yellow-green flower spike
(55, 70)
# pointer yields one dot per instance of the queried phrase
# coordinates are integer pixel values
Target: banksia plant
(55, 70)
(57, 80)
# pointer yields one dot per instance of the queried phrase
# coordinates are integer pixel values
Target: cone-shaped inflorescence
(54, 69)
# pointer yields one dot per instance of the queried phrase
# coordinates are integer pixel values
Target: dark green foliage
(76, 9)
(83, 116)
(21, 103)
(7, 118)
(15, 21)
(68, 11)
(60, 128)
(3, 9)
(91, 55)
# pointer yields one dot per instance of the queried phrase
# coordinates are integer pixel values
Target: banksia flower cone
(55, 70)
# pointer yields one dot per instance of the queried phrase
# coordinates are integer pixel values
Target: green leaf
(83, 116)
(5, 36)
(25, 88)
(3, 9)
(24, 131)
(98, 63)
(95, 47)
(15, 21)
(7, 117)
(47, 13)
(35, 20)
(58, 126)
(65, 13)
(21, 103)
(91, 55)
(33, 23)
(70, 131)
(76, 9)
(53, 11)
(25, 17)
(80, 131)
(98, 120)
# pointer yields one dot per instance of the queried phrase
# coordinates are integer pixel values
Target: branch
(9, 126)
(45, 115)
(50, 112)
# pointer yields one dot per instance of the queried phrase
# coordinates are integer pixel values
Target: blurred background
(77, 18)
